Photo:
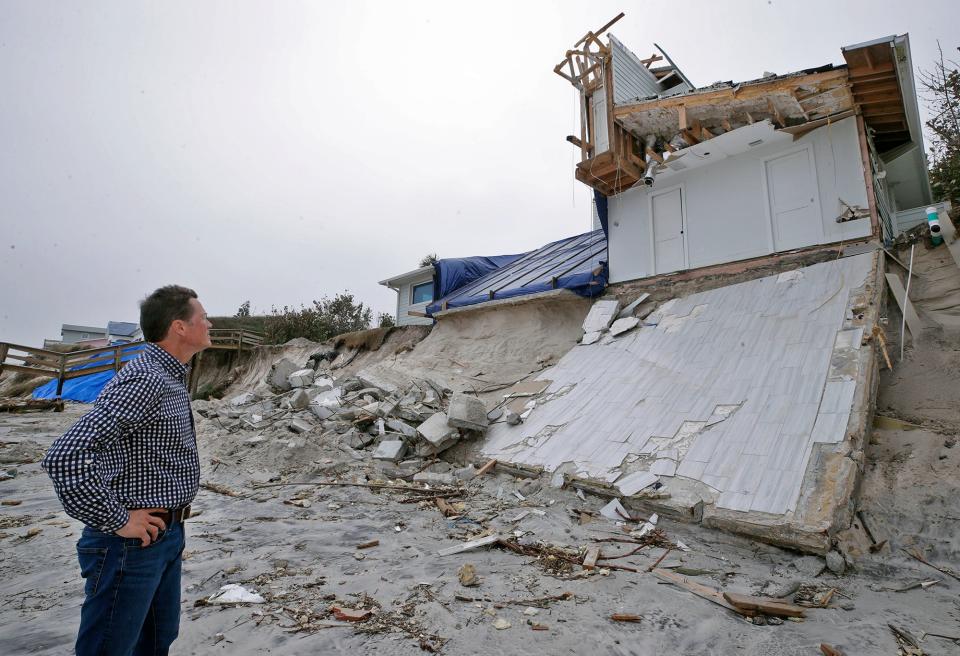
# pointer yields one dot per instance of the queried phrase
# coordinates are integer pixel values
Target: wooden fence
(65, 366)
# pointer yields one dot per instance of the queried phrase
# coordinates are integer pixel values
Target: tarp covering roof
(576, 263)
(451, 274)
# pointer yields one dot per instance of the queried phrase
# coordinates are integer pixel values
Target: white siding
(631, 79)
(404, 296)
(727, 210)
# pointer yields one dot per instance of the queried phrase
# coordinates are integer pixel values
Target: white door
(793, 206)
(667, 210)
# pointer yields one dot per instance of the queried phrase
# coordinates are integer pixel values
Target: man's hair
(162, 308)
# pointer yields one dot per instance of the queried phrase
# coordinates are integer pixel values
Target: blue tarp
(453, 273)
(84, 389)
(577, 263)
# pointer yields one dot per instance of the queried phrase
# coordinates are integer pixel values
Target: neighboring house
(414, 293)
(73, 334)
(123, 331)
(687, 178)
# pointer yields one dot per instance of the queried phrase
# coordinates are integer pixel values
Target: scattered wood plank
(702, 591)
(660, 559)
(764, 605)
(445, 508)
(591, 557)
(878, 333)
(899, 294)
(368, 545)
(470, 545)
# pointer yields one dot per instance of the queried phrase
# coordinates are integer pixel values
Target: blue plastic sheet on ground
(84, 389)
(453, 273)
(577, 263)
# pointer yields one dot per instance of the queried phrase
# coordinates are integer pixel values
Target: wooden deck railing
(65, 366)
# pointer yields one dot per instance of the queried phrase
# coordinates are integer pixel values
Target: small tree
(428, 260)
(385, 320)
(942, 97)
(243, 310)
(326, 318)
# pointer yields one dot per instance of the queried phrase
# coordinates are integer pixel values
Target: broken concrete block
(357, 440)
(323, 384)
(433, 478)
(391, 450)
(628, 310)
(590, 338)
(468, 412)
(243, 399)
(386, 407)
(621, 326)
(301, 378)
(279, 376)
(321, 412)
(300, 426)
(835, 562)
(401, 427)
(614, 510)
(601, 315)
(438, 434)
(299, 400)
(633, 483)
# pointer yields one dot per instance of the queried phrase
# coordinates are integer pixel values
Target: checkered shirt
(137, 448)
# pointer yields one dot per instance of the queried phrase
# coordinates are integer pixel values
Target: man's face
(197, 328)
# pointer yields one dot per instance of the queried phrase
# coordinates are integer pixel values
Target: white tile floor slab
(760, 350)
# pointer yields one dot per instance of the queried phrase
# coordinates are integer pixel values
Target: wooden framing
(868, 178)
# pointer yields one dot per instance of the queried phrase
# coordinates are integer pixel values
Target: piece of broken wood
(368, 545)
(829, 651)
(351, 614)
(702, 591)
(626, 617)
(486, 468)
(765, 605)
(591, 557)
(913, 553)
(878, 333)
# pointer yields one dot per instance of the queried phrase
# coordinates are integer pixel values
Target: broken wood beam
(591, 558)
(702, 591)
(486, 468)
(764, 605)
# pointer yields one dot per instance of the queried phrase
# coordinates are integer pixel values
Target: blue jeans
(132, 603)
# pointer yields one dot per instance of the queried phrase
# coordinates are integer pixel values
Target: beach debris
(231, 593)
(500, 624)
(345, 614)
(470, 545)
(10, 502)
(829, 650)
(486, 468)
(33, 532)
(467, 412)
(368, 545)
(835, 563)
(591, 557)
(915, 554)
(468, 575)
(765, 605)
(909, 644)
(300, 503)
(626, 617)
(615, 511)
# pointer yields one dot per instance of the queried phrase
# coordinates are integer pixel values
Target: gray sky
(280, 151)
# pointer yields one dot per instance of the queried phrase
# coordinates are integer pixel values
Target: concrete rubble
(367, 412)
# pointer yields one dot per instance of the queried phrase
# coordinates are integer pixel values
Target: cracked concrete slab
(745, 400)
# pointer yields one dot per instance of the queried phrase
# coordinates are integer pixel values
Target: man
(129, 469)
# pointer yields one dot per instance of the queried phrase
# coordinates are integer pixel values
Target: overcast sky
(281, 151)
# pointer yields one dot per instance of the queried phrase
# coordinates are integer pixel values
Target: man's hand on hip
(143, 525)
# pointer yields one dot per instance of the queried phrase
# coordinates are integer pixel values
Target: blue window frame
(422, 293)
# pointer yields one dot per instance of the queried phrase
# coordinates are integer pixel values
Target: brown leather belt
(174, 515)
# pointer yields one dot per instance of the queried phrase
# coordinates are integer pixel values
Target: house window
(422, 293)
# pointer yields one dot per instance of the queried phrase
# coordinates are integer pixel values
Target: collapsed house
(745, 222)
